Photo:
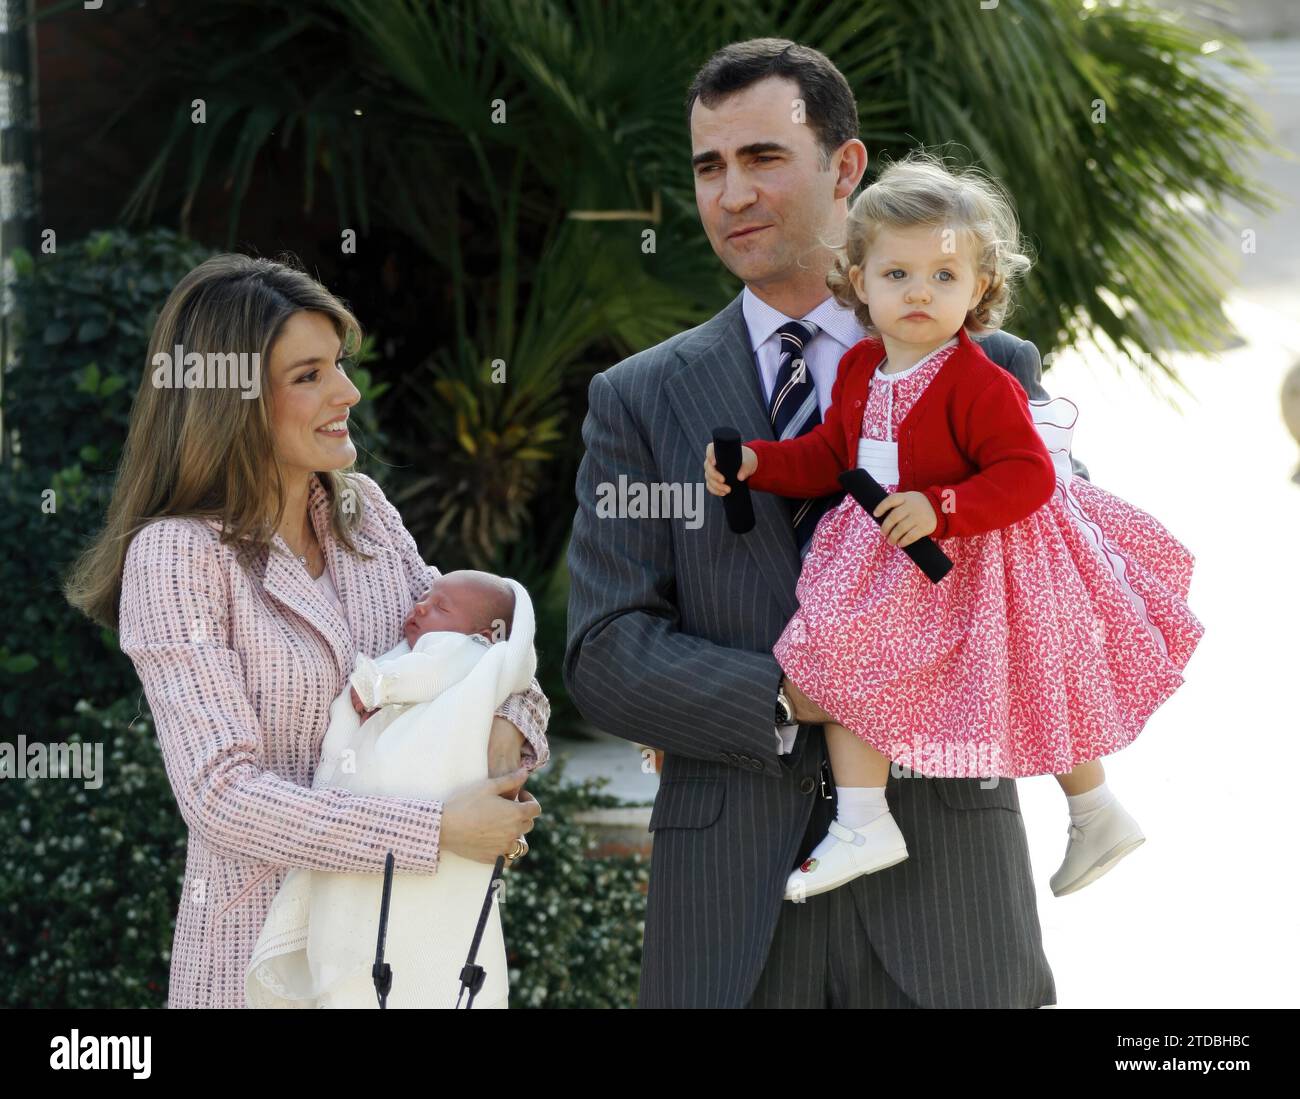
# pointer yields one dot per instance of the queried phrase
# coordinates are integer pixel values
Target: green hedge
(85, 314)
(573, 924)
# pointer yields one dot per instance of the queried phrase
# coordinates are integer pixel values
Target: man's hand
(909, 516)
(806, 711)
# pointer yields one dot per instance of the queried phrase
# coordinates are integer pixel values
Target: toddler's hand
(909, 516)
(715, 482)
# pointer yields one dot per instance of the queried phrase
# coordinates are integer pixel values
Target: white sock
(1085, 807)
(857, 806)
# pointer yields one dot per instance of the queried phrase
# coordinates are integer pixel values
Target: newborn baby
(416, 722)
(466, 602)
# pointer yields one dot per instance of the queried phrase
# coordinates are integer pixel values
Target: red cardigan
(968, 443)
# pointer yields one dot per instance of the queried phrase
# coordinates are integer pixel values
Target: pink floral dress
(1050, 642)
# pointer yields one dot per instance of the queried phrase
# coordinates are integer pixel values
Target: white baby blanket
(429, 740)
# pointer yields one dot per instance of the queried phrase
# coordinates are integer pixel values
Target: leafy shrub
(573, 924)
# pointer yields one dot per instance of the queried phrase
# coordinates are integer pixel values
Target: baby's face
(453, 604)
(919, 283)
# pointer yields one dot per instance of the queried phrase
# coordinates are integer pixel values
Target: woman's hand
(524, 798)
(482, 821)
(910, 516)
(715, 482)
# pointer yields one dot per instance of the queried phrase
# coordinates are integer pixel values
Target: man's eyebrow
(756, 148)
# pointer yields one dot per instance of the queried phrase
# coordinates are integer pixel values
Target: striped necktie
(792, 410)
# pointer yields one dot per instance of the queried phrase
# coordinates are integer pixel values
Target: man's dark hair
(830, 108)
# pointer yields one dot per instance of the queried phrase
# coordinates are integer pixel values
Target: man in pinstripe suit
(672, 622)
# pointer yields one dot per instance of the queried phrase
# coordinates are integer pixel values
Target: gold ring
(519, 850)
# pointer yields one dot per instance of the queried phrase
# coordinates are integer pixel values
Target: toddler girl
(1063, 623)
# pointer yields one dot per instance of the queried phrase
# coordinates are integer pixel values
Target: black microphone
(925, 552)
(737, 503)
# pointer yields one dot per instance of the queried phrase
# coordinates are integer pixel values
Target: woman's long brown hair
(208, 451)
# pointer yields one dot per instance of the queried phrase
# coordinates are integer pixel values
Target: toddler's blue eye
(950, 275)
(895, 271)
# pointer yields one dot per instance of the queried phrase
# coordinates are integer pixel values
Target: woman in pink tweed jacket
(242, 650)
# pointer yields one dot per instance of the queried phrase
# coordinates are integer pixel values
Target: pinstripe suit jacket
(240, 665)
(670, 640)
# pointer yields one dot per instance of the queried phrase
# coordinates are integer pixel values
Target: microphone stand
(382, 972)
(472, 975)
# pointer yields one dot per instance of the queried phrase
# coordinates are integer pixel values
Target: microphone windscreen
(737, 504)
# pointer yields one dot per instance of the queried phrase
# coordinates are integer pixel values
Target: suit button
(806, 786)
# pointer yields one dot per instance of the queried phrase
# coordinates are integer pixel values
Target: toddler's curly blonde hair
(921, 190)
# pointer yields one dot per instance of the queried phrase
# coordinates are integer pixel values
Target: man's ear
(852, 159)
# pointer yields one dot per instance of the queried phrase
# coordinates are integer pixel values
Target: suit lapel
(718, 386)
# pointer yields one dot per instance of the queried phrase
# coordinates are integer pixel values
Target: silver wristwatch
(784, 709)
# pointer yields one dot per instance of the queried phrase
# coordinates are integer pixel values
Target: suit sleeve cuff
(785, 735)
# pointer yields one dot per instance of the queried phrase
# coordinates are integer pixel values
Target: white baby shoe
(847, 853)
(1093, 850)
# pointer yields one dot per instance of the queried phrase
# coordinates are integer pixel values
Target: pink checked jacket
(240, 667)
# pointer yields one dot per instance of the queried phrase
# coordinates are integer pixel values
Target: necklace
(303, 557)
(310, 566)
(313, 549)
